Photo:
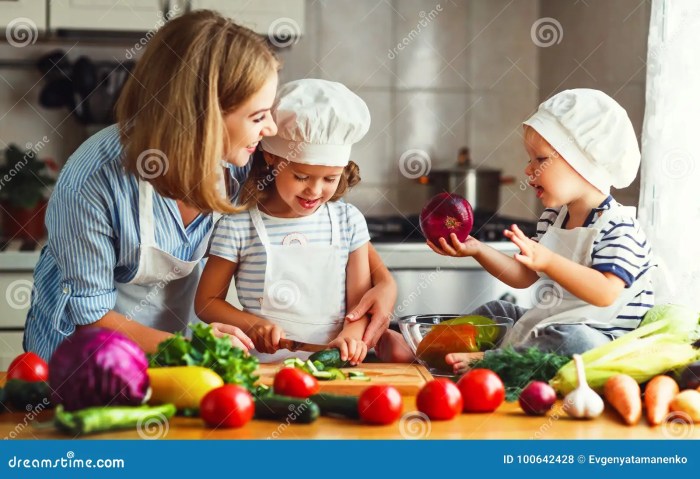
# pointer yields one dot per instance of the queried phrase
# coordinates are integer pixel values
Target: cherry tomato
(295, 383)
(380, 404)
(227, 406)
(440, 399)
(28, 367)
(482, 391)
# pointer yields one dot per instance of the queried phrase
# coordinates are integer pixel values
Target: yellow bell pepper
(184, 386)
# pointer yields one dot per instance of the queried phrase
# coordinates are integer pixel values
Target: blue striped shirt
(236, 240)
(93, 241)
(620, 248)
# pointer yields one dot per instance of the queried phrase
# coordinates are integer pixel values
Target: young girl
(590, 263)
(298, 255)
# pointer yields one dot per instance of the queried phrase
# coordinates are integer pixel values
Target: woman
(131, 214)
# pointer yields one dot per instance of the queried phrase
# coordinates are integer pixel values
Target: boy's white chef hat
(318, 121)
(593, 133)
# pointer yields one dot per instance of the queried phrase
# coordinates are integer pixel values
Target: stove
(406, 229)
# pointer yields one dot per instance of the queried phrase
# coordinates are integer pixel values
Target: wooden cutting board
(407, 378)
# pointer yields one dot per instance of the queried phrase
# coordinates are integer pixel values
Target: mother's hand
(239, 339)
(378, 302)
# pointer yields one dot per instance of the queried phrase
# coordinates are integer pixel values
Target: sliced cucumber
(310, 367)
(337, 373)
(356, 373)
(360, 378)
(319, 365)
(323, 375)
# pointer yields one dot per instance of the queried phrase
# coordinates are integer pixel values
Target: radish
(537, 398)
(446, 213)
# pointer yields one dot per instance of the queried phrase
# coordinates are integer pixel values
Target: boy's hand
(351, 349)
(266, 336)
(470, 247)
(532, 254)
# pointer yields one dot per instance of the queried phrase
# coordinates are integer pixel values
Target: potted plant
(25, 181)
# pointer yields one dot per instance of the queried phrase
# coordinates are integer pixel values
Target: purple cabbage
(98, 367)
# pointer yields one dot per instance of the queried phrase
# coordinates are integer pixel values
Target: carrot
(687, 402)
(657, 398)
(623, 393)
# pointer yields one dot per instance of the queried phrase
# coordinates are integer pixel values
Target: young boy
(590, 262)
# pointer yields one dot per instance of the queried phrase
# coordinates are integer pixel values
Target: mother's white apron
(556, 305)
(161, 293)
(302, 291)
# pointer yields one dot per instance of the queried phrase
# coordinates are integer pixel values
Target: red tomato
(295, 383)
(482, 390)
(227, 406)
(440, 399)
(380, 404)
(28, 367)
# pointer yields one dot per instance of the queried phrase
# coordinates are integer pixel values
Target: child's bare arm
(594, 287)
(358, 281)
(211, 306)
(498, 264)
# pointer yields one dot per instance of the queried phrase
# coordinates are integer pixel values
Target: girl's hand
(239, 339)
(532, 254)
(351, 349)
(266, 336)
(470, 247)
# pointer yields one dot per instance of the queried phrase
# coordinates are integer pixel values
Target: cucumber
(323, 375)
(337, 373)
(356, 373)
(26, 395)
(284, 408)
(319, 365)
(330, 358)
(360, 378)
(337, 405)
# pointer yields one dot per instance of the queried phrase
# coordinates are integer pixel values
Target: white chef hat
(593, 133)
(318, 121)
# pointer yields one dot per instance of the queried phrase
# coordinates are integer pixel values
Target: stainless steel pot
(482, 188)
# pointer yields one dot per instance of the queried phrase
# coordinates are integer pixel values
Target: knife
(300, 346)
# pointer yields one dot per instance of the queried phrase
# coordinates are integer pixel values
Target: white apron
(558, 306)
(302, 289)
(161, 293)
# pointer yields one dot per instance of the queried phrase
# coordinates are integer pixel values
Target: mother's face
(247, 124)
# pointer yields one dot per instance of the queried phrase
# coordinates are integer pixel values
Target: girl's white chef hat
(318, 121)
(593, 133)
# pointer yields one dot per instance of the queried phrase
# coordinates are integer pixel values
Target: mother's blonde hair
(196, 69)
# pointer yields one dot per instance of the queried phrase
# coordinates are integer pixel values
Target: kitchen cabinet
(267, 17)
(111, 15)
(16, 12)
(14, 304)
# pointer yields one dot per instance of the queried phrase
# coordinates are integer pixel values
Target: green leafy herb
(206, 350)
(517, 369)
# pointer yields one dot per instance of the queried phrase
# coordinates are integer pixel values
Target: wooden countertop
(508, 422)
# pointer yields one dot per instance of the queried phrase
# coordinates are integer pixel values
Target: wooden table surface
(508, 422)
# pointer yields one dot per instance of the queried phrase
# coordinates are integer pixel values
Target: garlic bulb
(583, 402)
